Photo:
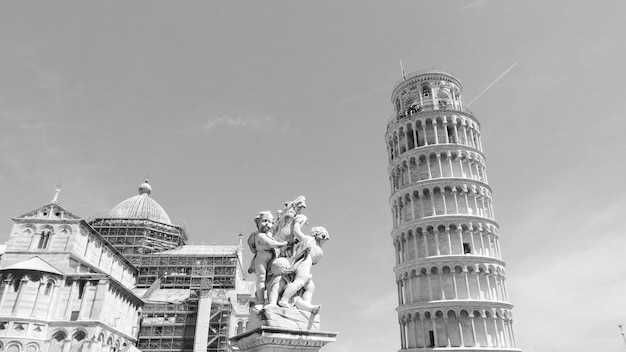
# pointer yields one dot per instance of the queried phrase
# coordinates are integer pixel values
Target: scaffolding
(135, 238)
(172, 279)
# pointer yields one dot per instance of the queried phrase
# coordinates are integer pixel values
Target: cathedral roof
(141, 206)
(34, 264)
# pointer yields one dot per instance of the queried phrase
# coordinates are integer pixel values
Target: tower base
(273, 339)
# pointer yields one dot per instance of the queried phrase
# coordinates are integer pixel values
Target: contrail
(492, 83)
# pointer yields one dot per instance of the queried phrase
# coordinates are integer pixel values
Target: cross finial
(56, 193)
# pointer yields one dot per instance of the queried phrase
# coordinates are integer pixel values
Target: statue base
(275, 339)
(287, 318)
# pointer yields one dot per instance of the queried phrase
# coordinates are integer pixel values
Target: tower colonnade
(450, 275)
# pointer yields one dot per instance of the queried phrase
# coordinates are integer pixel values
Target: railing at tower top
(425, 108)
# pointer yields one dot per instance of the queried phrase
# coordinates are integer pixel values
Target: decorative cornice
(428, 113)
(447, 260)
(455, 305)
(280, 337)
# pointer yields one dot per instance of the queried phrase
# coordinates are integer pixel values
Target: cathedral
(119, 282)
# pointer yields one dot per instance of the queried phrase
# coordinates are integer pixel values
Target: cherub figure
(308, 252)
(284, 226)
(263, 245)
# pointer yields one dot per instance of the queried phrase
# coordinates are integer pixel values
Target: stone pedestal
(275, 339)
(287, 318)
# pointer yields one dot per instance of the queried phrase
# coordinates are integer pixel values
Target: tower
(449, 271)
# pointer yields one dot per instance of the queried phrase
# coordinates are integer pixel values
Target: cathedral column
(37, 297)
(5, 287)
(19, 295)
(54, 299)
(68, 307)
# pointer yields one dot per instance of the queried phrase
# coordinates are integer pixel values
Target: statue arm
(251, 243)
(297, 228)
(270, 242)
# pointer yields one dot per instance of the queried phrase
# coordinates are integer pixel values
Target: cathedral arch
(14, 346)
(32, 347)
(58, 340)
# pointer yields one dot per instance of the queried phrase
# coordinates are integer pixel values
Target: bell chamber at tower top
(426, 90)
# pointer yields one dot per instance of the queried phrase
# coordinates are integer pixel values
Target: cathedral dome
(141, 207)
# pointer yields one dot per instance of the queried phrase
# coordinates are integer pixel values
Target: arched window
(78, 339)
(239, 327)
(57, 341)
(32, 348)
(44, 240)
(48, 289)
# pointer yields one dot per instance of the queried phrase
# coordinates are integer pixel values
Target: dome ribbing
(141, 207)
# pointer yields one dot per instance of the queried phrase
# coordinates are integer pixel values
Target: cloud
(245, 121)
(472, 5)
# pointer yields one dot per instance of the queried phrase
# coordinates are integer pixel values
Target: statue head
(296, 205)
(264, 221)
(299, 203)
(320, 234)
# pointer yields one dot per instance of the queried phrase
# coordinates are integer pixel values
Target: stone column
(274, 339)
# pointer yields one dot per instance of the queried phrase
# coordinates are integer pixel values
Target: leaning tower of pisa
(449, 271)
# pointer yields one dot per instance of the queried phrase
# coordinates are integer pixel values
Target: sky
(235, 107)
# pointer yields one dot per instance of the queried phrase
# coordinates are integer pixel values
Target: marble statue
(264, 246)
(284, 255)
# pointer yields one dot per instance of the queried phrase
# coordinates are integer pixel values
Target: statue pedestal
(286, 318)
(275, 339)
